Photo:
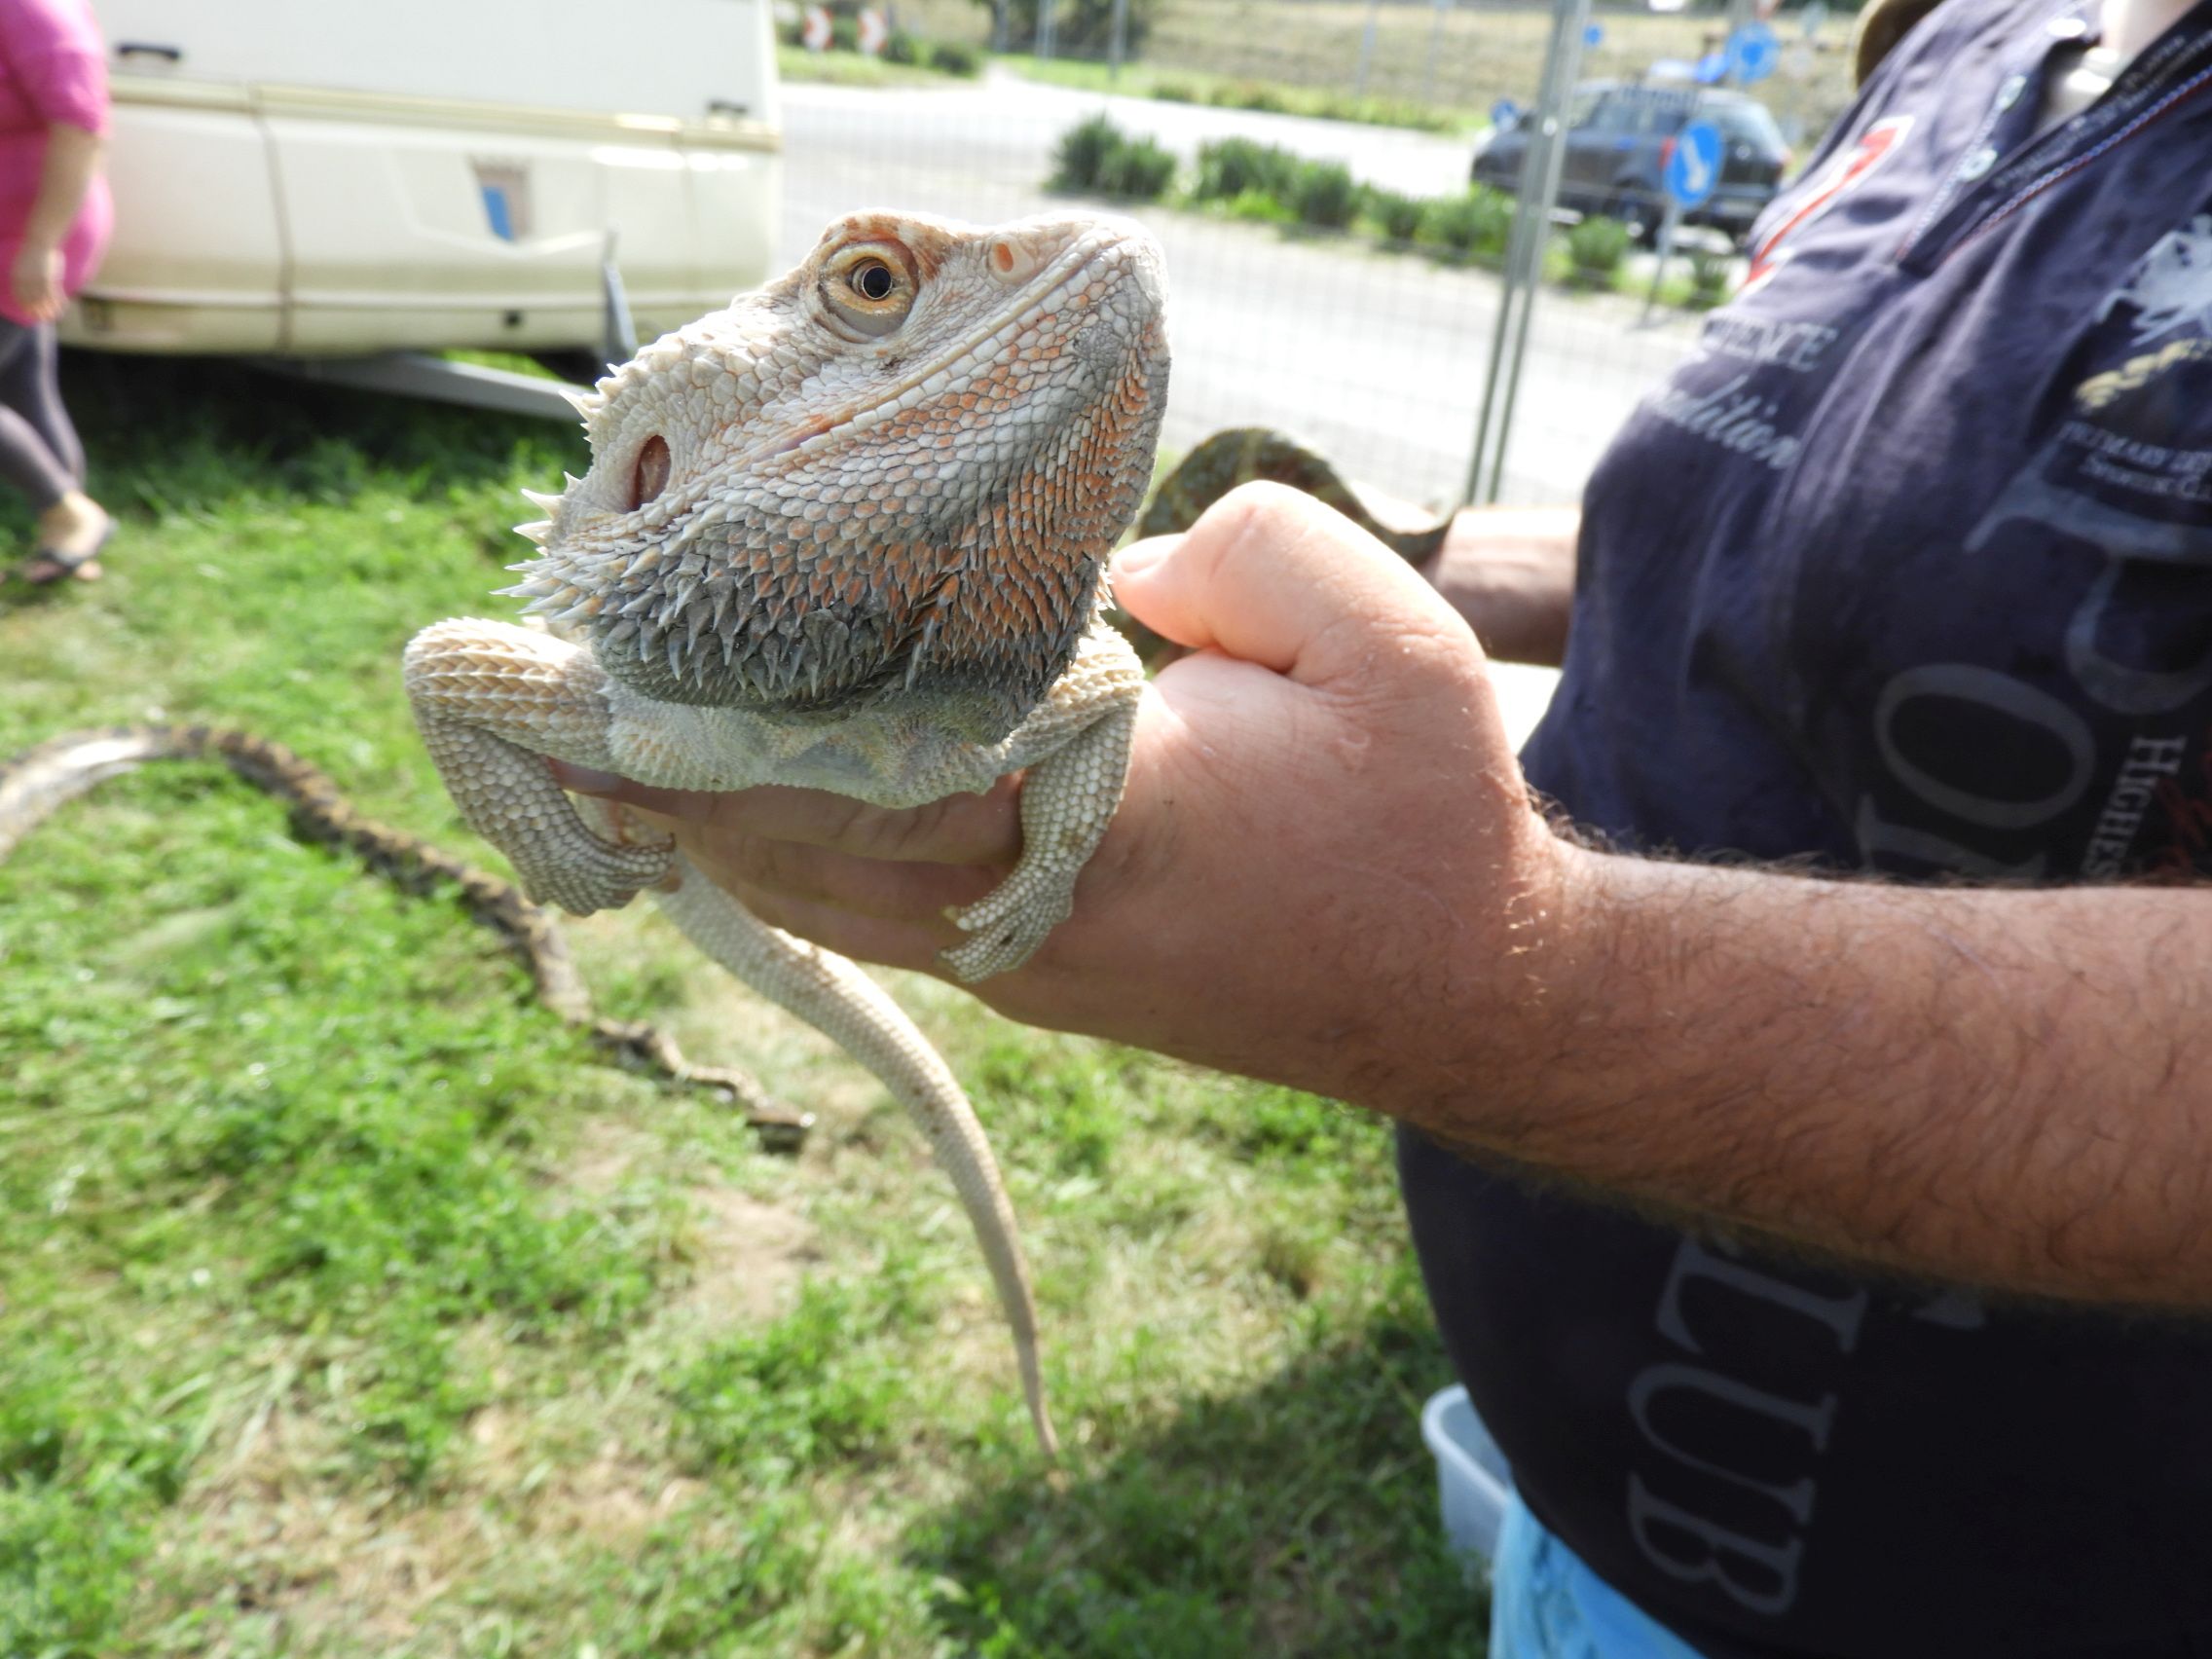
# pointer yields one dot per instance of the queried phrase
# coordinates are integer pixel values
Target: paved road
(1378, 359)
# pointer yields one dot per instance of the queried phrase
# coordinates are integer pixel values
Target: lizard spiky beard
(726, 550)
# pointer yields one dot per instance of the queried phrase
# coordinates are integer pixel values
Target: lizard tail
(838, 1000)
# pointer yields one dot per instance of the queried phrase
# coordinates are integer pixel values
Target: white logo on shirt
(1847, 171)
(2172, 288)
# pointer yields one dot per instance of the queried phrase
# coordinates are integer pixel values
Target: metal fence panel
(1376, 355)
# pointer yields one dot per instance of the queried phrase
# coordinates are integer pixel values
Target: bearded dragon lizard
(849, 534)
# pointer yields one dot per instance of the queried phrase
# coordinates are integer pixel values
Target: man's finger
(959, 829)
(1272, 576)
(893, 890)
(865, 939)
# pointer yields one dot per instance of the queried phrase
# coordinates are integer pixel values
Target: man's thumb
(1270, 575)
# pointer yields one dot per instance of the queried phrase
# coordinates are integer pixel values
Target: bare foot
(70, 535)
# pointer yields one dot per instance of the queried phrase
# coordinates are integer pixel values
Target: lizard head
(893, 473)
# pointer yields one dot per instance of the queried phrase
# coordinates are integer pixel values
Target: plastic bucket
(1472, 1481)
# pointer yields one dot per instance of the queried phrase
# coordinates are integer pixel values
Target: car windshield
(1658, 114)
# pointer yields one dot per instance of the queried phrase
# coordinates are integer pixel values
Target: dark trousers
(39, 450)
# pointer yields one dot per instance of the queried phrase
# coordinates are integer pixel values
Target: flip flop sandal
(65, 565)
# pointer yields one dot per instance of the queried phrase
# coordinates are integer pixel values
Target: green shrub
(1083, 152)
(1325, 195)
(1262, 207)
(956, 57)
(844, 34)
(1097, 156)
(1137, 169)
(1396, 216)
(1598, 247)
(1477, 222)
(1175, 92)
(902, 48)
(1229, 168)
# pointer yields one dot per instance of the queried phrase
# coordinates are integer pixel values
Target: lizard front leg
(492, 702)
(1080, 737)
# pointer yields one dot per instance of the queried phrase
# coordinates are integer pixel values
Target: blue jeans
(1546, 1604)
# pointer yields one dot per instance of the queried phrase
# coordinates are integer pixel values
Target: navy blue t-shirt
(1909, 569)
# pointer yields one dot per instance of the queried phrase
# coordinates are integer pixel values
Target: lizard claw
(1007, 931)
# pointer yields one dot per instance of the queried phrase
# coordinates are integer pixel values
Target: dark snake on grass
(38, 782)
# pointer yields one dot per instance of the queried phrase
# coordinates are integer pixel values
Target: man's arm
(72, 160)
(1327, 871)
(2007, 1087)
(1510, 572)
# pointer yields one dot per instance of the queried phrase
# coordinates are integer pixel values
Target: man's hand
(1324, 832)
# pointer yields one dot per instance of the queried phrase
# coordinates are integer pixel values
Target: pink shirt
(52, 67)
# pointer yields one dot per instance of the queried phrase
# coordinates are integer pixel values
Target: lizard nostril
(651, 476)
(1010, 263)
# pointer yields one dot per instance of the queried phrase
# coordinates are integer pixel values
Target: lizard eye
(871, 280)
(649, 477)
(870, 287)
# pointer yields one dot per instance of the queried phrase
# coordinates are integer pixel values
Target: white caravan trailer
(318, 179)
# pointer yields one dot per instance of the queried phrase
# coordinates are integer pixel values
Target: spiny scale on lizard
(849, 534)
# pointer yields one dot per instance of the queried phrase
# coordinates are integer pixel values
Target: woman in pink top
(55, 216)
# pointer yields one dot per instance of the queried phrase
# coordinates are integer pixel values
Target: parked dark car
(1621, 135)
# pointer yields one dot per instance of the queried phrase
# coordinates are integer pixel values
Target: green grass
(1164, 76)
(842, 68)
(353, 1307)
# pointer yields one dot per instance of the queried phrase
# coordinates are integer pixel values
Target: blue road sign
(1752, 53)
(1694, 166)
(1505, 115)
(496, 211)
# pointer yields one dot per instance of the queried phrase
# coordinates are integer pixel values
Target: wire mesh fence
(1374, 350)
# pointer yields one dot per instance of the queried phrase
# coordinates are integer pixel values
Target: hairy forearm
(72, 158)
(1510, 572)
(2004, 1086)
